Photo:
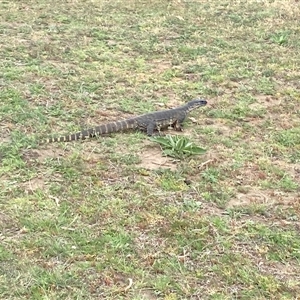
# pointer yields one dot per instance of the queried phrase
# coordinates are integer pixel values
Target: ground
(111, 217)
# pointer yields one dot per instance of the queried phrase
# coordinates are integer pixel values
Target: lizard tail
(95, 131)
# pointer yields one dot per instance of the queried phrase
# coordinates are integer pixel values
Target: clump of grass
(177, 146)
(280, 38)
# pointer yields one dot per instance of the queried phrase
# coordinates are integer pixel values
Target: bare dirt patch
(266, 197)
(33, 184)
(151, 159)
(41, 154)
(265, 101)
(252, 197)
(160, 65)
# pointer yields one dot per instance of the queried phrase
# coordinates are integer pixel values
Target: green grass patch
(115, 218)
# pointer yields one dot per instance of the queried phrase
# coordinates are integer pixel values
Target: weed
(177, 146)
(280, 38)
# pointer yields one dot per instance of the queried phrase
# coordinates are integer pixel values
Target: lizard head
(196, 103)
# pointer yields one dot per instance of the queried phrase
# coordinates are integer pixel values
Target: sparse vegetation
(91, 219)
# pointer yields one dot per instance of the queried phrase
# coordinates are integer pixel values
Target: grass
(112, 218)
(177, 146)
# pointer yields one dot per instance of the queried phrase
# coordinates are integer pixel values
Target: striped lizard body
(149, 123)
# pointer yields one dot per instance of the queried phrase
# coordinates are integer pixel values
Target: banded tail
(95, 131)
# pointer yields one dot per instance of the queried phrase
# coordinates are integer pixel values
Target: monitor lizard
(148, 122)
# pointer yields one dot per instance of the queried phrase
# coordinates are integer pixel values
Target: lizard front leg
(177, 125)
(150, 128)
